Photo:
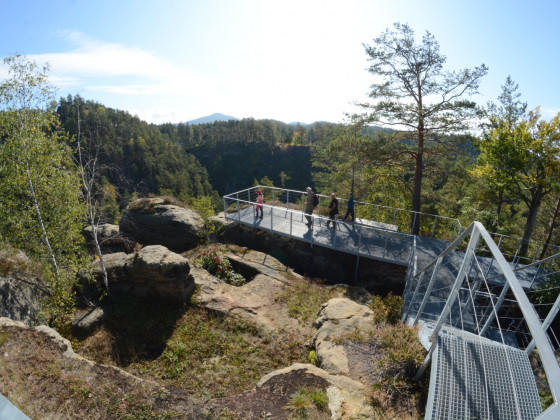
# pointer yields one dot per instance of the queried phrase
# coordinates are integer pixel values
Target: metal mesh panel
(473, 381)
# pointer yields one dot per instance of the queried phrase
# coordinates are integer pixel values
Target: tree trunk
(500, 202)
(550, 229)
(417, 191)
(530, 224)
(41, 224)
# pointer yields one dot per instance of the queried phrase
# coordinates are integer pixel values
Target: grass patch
(304, 299)
(4, 336)
(210, 355)
(204, 353)
(308, 404)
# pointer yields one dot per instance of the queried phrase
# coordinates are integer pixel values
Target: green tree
(414, 95)
(40, 207)
(524, 160)
(503, 116)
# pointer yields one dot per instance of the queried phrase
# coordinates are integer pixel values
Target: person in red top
(260, 201)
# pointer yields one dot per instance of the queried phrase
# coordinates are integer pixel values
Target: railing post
(358, 254)
(271, 217)
(238, 209)
(288, 200)
(273, 197)
(434, 227)
(291, 220)
(413, 226)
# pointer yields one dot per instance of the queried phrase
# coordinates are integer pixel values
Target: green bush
(216, 263)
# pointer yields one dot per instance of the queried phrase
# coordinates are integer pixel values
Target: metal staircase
(480, 330)
(476, 378)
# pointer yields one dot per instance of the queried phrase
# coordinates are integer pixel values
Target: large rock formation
(337, 320)
(153, 271)
(21, 297)
(109, 238)
(151, 221)
(333, 266)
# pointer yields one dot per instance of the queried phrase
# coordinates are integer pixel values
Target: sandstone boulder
(20, 298)
(83, 324)
(339, 318)
(109, 238)
(150, 221)
(153, 271)
(346, 396)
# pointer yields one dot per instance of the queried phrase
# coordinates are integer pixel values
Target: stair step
(471, 379)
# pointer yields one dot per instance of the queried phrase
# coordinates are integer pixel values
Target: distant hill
(212, 118)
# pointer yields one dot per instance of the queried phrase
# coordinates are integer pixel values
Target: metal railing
(481, 295)
(283, 210)
(434, 226)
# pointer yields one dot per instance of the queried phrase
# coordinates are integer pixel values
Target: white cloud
(106, 67)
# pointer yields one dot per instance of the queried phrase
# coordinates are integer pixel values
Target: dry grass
(41, 383)
(204, 353)
(304, 299)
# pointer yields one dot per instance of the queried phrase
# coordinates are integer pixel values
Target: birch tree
(40, 207)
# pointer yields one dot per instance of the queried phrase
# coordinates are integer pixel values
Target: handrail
(377, 211)
(234, 206)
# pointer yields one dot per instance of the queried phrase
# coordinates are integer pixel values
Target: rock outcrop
(346, 396)
(337, 320)
(20, 298)
(109, 238)
(255, 301)
(154, 271)
(150, 221)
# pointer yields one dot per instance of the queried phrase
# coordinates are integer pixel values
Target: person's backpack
(315, 200)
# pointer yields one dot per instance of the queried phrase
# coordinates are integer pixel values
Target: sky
(288, 60)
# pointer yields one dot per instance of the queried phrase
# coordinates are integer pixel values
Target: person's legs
(308, 217)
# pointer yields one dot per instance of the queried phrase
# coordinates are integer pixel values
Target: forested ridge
(135, 157)
(237, 153)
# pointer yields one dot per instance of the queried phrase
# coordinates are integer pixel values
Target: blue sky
(177, 60)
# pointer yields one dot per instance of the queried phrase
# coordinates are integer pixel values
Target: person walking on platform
(350, 210)
(309, 206)
(260, 201)
(333, 210)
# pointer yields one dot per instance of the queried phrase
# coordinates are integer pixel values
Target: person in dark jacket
(333, 210)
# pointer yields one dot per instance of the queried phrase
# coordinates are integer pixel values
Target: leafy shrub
(216, 263)
(387, 309)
